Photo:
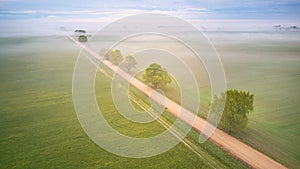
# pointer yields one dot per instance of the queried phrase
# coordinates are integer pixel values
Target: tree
(156, 76)
(80, 31)
(115, 56)
(238, 104)
(129, 63)
(82, 38)
(104, 53)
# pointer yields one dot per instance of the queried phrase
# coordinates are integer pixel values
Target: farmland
(39, 128)
(264, 63)
(268, 66)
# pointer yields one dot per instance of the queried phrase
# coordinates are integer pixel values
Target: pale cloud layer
(188, 9)
(206, 15)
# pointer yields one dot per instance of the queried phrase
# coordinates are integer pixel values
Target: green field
(269, 68)
(39, 127)
(264, 63)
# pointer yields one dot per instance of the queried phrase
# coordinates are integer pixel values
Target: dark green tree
(80, 31)
(156, 76)
(115, 56)
(238, 104)
(129, 63)
(82, 38)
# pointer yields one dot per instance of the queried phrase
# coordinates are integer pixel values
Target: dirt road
(236, 148)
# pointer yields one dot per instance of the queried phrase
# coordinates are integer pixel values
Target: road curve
(231, 145)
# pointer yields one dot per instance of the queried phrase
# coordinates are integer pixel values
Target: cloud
(196, 9)
(18, 12)
(192, 9)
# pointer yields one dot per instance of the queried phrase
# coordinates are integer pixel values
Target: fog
(52, 25)
(256, 57)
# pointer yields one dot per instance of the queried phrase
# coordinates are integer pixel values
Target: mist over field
(255, 42)
(63, 105)
(53, 25)
(266, 63)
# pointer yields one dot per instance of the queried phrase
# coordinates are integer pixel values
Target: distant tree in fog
(129, 63)
(115, 56)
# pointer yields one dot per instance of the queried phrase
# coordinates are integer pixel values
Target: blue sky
(187, 9)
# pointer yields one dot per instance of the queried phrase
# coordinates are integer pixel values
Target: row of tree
(154, 75)
(116, 57)
(238, 104)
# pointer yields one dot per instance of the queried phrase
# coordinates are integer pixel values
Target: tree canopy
(156, 76)
(115, 56)
(80, 30)
(129, 63)
(82, 38)
(238, 104)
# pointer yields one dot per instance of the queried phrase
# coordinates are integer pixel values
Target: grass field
(39, 127)
(267, 65)
(269, 68)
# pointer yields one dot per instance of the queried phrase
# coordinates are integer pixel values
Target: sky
(190, 9)
(72, 11)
